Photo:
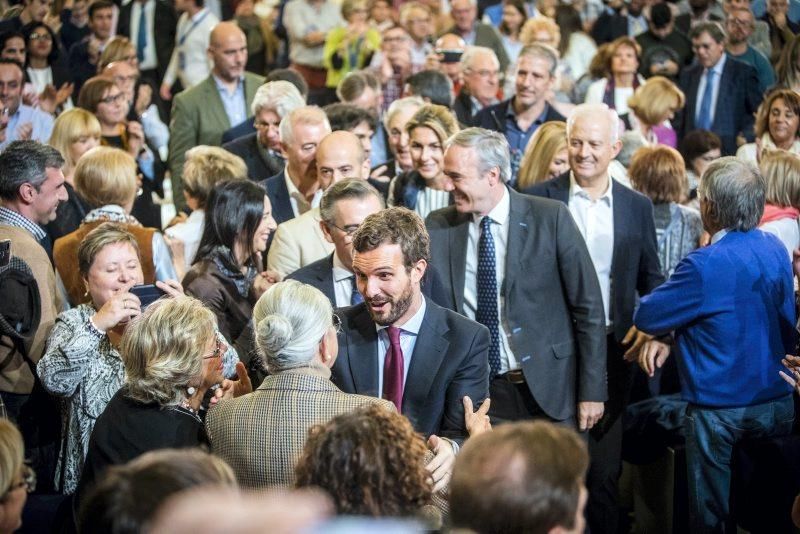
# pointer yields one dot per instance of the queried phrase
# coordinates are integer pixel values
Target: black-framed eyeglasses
(337, 323)
(119, 97)
(347, 230)
(28, 480)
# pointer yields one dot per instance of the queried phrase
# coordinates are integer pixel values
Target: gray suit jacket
(553, 306)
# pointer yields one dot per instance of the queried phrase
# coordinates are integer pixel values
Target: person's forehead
(483, 61)
(10, 72)
(385, 254)
(534, 63)
(338, 156)
(591, 126)
(103, 12)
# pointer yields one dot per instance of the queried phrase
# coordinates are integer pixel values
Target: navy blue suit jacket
(258, 167)
(634, 266)
(737, 102)
(450, 360)
(240, 130)
(278, 195)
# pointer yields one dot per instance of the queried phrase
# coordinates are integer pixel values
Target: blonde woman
(781, 170)
(75, 132)
(16, 478)
(546, 155)
(652, 106)
(424, 188)
(106, 179)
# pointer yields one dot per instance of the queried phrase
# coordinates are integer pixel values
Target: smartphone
(147, 294)
(5, 252)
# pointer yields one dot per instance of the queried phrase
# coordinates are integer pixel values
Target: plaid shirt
(12, 218)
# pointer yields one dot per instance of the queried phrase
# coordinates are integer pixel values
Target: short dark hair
(370, 461)
(395, 226)
(291, 76)
(7, 61)
(352, 188)
(97, 5)
(660, 15)
(5, 36)
(233, 213)
(713, 29)
(347, 116)
(432, 85)
(126, 498)
(521, 477)
(355, 83)
(696, 143)
(26, 162)
(27, 30)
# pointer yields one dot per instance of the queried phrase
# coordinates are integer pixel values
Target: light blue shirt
(714, 90)
(380, 152)
(408, 340)
(234, 103)
(42, 124)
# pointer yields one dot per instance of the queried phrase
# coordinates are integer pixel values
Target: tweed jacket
(261, 435)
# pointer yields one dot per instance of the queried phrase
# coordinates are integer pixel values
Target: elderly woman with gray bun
(262, 434)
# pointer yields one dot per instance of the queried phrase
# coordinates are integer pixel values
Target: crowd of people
(422, 264)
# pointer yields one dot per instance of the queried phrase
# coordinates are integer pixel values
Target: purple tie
(393, 369)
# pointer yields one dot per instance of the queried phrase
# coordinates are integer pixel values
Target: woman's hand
(135, 138)
(120, 308)
(234, 388)
(264, 281)
(144, 97)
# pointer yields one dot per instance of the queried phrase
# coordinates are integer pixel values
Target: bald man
(300, 241)
(201, 115)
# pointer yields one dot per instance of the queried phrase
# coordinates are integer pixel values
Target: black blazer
(553, 305)
(246, 127)
(737, 102)
(450, 360)
(462, 107)
(494, 117)
(608, 26)
(164, 27)
(278, 195)
(259, 167)
(320, 275)
(634, 265)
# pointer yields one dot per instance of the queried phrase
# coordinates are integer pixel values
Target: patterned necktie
(141, 36)
(704, 118)
(393, 369)
(487, 292)
(355, 296)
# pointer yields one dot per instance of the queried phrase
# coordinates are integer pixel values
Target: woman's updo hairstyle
(290, 319)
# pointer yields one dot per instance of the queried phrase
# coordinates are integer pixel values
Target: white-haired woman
(295, 331)
(172, 358)
(261, 150)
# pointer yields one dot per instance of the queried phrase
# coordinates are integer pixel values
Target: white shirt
(429, 200)
(408, 339)
(195, 34)
(595, 220)
(150, 61)
(342, 282)
(299, 203)
(714, 91)
(500, 222)
(189, 231)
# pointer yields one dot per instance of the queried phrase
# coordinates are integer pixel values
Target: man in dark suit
(519, 117)
(618, 227)
(475, 33)
(519, 266)
(400, 345)
(722, 94)
(481, 73)
(261, 150)
(155, 40)
(295, 189)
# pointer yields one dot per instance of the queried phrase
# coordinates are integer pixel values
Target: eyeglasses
(133, 78)
(337, 323)
(348, 230)
(216, 353)
(41, 36)
(119, 97)
(28, 480)
(259, 125)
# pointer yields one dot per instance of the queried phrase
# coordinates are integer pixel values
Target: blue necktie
(355, 296)
(141, 36)
(704, 118)
(486, 313)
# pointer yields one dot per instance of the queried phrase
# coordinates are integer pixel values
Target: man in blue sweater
(731, 306)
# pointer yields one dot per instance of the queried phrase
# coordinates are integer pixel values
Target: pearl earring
(191, 391)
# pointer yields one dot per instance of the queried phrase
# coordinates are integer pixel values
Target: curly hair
(370, 461)
(395, 226)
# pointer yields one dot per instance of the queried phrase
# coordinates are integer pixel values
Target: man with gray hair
(261, 150)
(481, 73)
(617, 225)
(731, 307)
(517, 264)
(475, 33)
(520, 116)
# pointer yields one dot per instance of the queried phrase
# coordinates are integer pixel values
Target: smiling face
(473, 192)
(783, 122)
(265, 227)
(114, 269)
(533, 81)
(427, 153)
(590, 147)
(389, 290)
(51, 193)
(398, 138)
(559, 165)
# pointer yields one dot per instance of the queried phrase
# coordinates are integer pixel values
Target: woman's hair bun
(273, 334)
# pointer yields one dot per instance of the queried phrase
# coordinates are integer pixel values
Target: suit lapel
(621, 213)
(429, 351)
(459, 232)
(517, 238)
(213, 101)
(722, 109)
(283, 206)
(558, 188)
(325, 276)
(693, 98)
(362, 354)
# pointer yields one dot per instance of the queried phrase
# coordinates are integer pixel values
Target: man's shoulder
(313, 271)
(442, 218)
(253, 78)
(242, 145)
(454, 321)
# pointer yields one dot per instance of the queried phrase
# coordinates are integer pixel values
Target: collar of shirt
(223, 89)
(14, 218)
(298, 196)
(500, 213)
(340, 272)
(470, 37)
(477, 106)
(413, 325)
(719, 235)
(576, 190)
(719, 66)
(512, 114)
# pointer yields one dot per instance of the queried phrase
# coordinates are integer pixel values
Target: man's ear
(26, 193)
(418, 271)
(326, 232)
